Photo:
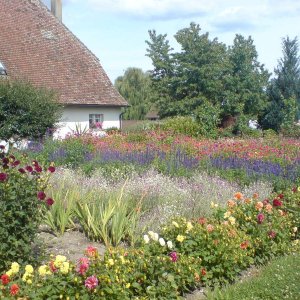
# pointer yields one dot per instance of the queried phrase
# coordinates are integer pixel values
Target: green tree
(26, 111)
(246, 85)
(284, 88)
(135, 87)
(184, 80)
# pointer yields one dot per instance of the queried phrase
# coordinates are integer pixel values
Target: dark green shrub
(22, 199)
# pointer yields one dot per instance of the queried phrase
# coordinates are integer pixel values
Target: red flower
(52, 266)
(280, 196)
(14, 289)
(277, 202)
(38, 168)
(41, 195)
(173, 255)
(244, 245)
(21, 170)
(29, 169)
(3, 177)
(16, 163)
(5, 279)
(294, 189)
(49, 201)
(203, 272)
(51, 169)
(5, 160)
(260, 218)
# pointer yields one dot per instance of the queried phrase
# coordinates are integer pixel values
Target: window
(96, 121)
(2, 69)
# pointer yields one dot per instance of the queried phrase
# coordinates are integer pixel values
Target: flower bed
(183, 256)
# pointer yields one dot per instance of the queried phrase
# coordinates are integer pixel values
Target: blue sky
(116, 30)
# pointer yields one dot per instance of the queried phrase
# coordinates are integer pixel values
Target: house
(36, 46)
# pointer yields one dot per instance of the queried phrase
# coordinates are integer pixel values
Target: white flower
(146, 239)
(170, 244)
(162, 242)
(155, 237)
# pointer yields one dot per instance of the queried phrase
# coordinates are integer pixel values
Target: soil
(72, 244)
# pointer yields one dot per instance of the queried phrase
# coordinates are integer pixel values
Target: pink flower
(3, 177)
(210, 228)
(41, 195)
(91, 282)
(83, 265)
(91, 251)
(272, 234)
(21, 170)
(260, 218)
(173, 255)
(49, 201)
(277, 202)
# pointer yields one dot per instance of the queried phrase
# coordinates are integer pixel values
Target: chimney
(56, 9)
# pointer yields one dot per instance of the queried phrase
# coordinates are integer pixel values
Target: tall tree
(246, 85)
(26, 111)
(284, 89)
(135, 87)
(186, 79)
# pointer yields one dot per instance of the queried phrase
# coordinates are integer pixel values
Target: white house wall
(79, 117)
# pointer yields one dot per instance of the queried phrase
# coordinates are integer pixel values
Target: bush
(181, 125)
(22, 199)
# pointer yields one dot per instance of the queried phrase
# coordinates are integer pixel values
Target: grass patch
(278, 280)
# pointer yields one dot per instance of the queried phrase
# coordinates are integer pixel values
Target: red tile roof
(37, 47)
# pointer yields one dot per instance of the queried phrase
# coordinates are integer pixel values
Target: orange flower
(202, 221)
(255, 195)
(197, 277)
(259, 205)
(238, 196)
(247, 200)
(231, 203)
(14, 289)
(203, 272)
(268, 208)
(232, 233)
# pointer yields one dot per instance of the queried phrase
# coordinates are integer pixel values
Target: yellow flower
(9, 273)
(111, 262)
(27, 278)
(227, 214)
(231, 220)
(213, 205)
(189, 226)
(64, 268)
(29, 269)
(128, 285)
(175, 224)
(122, 259)
(15, 267)
(59, 259)
(180, 238)
(44, 270)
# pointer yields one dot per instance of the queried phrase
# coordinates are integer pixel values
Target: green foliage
(20, 208)
(207, 116)
(284, 89)
(135, 87)
(181, 125)
(277, 280)
(109, 220)
(25, 111)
